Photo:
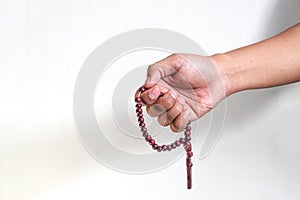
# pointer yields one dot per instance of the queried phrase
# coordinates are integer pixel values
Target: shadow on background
(246, 106)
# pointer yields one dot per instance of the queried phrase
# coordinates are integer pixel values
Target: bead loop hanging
(185, 141)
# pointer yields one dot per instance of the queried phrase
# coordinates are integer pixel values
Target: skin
(184, 87)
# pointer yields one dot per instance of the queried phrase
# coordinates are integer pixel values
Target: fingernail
(151, 96)
(173, 94)
(185, 114)
(154, 93)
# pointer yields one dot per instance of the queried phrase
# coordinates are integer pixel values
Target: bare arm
(272, 62)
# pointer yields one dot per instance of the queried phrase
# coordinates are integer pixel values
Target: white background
(42, 47)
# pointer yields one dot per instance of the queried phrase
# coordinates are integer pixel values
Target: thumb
(165, 67)
(153, 76)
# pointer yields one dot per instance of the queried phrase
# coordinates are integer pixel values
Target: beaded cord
(185, 141)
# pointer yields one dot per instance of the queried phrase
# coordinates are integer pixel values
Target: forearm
(272, 62)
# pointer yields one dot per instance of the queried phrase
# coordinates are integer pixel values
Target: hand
(182, 88)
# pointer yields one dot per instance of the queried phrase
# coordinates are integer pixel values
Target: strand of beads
(185, 141)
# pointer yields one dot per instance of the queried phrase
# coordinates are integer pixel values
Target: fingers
(170, 111)
(162, 104)
(168, 117)
(181, 121)
(152, 94)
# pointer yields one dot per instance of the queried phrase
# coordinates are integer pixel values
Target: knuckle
(145, 99)
(155, 68)
(175, 56)
(178, 60)
(177, 108)
(151, 68)
(166, 101)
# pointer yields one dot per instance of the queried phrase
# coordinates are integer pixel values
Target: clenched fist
(182, 88)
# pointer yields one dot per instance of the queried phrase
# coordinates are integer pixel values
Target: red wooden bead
(145, 134)
(188, 146)
(155, 146)
(138, 99)
(138, 105)
(138, 110)
(187, 133)
(142, 89)
(159, 149)
(182, 140)
(152, 142)
(187, 138)
(173, 145)
(188, 128)
(189, 153)
(148, 138)
(141, 119)
(164, 147)
(143, 129)
(169, 147)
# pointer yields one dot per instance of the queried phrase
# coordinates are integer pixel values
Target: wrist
(223, 63)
